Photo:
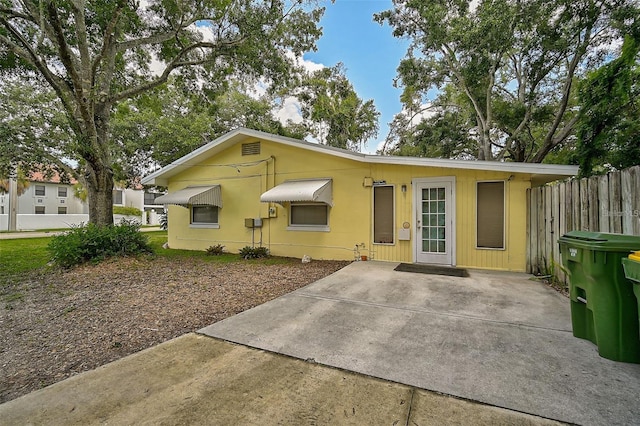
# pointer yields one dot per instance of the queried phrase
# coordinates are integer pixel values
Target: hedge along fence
(608, 203)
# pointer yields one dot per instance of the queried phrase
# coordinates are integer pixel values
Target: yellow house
(298, 198)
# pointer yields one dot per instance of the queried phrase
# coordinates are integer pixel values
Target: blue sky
(369, 52)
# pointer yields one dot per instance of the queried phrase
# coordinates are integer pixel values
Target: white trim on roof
(162, 176)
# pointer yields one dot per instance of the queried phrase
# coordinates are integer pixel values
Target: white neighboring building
(50, 203)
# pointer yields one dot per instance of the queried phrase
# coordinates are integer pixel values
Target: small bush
(248, 252)
(216, 250)
(94, 243)
(127, 211)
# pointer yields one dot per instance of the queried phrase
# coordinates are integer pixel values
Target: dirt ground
(57, 324)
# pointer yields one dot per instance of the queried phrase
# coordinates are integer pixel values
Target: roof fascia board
(161, 176)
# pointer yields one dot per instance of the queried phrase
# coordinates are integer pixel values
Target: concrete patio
(494, 337)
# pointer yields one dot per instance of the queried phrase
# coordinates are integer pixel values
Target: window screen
(383, 214)
(39, 209)
(204, 214)
(62, 210)
(40, 190)
(309, 214)
(490, 215)
(62, 191)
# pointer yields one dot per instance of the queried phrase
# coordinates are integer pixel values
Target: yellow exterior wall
(244, 178)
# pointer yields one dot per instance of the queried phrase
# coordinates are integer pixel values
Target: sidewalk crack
(413, 391)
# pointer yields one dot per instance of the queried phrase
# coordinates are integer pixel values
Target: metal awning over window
(316, 190)
(193, 196)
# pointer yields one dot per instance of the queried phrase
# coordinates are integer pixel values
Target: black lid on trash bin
(601, 241)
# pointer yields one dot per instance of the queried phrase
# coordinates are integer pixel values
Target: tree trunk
(100, 194)
(99, 174)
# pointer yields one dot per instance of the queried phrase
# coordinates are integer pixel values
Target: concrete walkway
(197, 380)
(497, 338)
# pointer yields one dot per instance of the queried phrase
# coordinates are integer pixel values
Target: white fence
(31, 222)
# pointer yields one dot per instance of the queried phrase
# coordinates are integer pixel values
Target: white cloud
(308, 65)
(290, 110)
(205, 30)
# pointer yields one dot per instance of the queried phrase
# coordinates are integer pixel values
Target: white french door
(434, 210)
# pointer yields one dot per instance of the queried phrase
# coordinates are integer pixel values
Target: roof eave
(545, 172)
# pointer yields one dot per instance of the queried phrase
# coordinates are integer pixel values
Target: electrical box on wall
(253, 223)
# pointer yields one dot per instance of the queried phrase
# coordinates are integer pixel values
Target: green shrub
(127, 211)
(216, 250)
(248, 252)
(94, 243)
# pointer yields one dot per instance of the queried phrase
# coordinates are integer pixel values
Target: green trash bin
(632, 272)
(603, 307)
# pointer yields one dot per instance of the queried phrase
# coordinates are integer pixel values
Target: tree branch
(28, 54)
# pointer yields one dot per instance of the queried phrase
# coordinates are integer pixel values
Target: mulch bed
(56, 324)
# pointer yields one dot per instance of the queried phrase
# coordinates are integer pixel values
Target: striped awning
(193, 196)
(315, 190)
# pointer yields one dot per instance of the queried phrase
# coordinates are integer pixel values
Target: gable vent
(252, 148)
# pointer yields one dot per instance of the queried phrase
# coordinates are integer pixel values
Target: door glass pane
(433, 233)
(434, 220)
(425, 233)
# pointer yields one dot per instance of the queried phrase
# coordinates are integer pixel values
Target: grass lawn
(21, 256)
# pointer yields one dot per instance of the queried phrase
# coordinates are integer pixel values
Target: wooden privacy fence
(609, 203)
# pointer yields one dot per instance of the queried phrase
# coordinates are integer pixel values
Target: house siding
(244, 178)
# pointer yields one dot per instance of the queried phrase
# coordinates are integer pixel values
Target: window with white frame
(204, 215)
(490, 215)
(62, 210)
(383, 216)
(309, 215)
(39, 210)
(62, 191)
(39, 190)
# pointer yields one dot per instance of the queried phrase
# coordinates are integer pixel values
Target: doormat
(431, 269)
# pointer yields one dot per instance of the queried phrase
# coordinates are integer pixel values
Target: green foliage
(32, 127)
(96, 242)
(249, 252)
(104, 52)
(171, 121)
(127, 211)
(504, 68)
(216, 250)
(609, 121)
(335, 113)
